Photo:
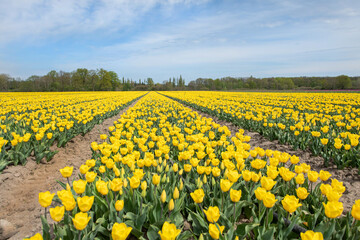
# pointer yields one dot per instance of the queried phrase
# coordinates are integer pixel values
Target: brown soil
(349, 176)
(20, 185)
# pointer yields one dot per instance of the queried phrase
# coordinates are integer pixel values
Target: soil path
(20, 185)
(349, 176)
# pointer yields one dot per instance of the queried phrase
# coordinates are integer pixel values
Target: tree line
(83, 79)
(276, 83)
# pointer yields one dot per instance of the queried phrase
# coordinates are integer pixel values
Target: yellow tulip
(102, 187)
(235, 195)
(260, 193)
(163, 196)
(176, 193)
(90, 176)
(120, 231)
(66, 172)
(156, 179)
(214, 231)
(225, 185)
(302, 193)
(79, 186)
(333, 209)
(57, 213)
(134, 182)
(171, 205)
(290, 203)
(169, 231)
(198, 195)
(119, 205)
(212, 214)
(85, 203)
(310, 235)
(116, 184)
(45, 198)
(267, 183)
(81, 220)
(37, 236)
(324, 175)
(355, 211)
(269, 200)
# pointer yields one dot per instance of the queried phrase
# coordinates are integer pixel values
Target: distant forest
(83, 79)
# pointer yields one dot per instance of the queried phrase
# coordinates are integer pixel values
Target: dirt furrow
(20, 185)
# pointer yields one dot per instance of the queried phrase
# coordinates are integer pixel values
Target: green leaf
(46, 228)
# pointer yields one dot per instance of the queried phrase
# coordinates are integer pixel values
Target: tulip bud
(201, 237)
(163, 179)
(159, 170)
(181, 185)
(143, 185)
(143, 193)
(160, 160)
(176, 193)
(222, 166)
(122, 172)
(167, 168)
(181, 172)
(213, 181)
(163, 196)
(204, 179)
(171, 205)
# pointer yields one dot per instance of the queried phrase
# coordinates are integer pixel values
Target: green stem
(45, 214)
(222, 201)
(234, 215)
(79, 235)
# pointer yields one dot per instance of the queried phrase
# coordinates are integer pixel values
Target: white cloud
(36, 19)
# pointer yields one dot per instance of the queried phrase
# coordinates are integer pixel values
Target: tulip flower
(333, 209)
(169, 231)
(290, 203)
(57, 213)
(302, 193)
(81, 220)
(310, 235)
(37, 236)
(355, 211)
(214, 231)
(212, 214)
(45, 198)
(119, 205)
(85, 203)
(269, 200)
(66, 172)
(79, 186)
(235, 195)
(198, 195)
(120, 231)
(225, 185)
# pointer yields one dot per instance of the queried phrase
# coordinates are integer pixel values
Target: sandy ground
(348, 176)
(20, 185)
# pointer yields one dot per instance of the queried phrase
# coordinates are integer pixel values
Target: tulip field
(165, 172)
(326, 123)
(30, 123)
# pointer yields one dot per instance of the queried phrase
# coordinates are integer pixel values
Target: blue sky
(194, 38)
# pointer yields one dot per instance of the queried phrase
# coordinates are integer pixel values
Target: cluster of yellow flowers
(326, 123)
(33, 121)
(163, 164)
